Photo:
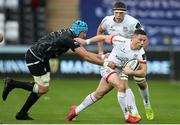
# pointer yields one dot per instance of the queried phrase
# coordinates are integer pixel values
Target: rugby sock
(89, 100)
(122, 101)
(33, 97)
(24, 85)
(145, 95)
(131, 101)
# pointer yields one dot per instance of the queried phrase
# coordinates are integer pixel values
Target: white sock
(131, 103)
(145, 96)
(89, 100)
(35, 88)
(122, 101)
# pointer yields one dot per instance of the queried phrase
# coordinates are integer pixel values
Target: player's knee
(139, 80)
(39, 89)
(42, 89)
(98, 95)
(120, 88)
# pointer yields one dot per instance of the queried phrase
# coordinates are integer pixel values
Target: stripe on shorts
(109, 75)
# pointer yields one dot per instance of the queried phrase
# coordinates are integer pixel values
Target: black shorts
(38, 69)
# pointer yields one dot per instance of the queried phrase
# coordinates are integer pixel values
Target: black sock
(24, 85)
(33, 97)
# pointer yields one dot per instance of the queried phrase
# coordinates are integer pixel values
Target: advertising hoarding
(159, 66)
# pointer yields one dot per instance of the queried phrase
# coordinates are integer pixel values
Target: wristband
(88, 41)
(105, 63)
(102, 56)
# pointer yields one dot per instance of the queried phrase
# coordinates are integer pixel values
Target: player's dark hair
(119, 6)
(139, 31)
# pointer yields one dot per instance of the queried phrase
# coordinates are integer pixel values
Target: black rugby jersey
(54, 44)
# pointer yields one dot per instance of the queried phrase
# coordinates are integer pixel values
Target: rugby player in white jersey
(123, 50)
(124, 25)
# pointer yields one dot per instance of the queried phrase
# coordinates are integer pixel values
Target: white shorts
(106, 72)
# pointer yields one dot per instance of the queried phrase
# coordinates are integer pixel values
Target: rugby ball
(133, 64)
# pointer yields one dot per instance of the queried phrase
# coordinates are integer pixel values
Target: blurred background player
(124, 25)
(123, 50)
(37, 59)
(1, 37)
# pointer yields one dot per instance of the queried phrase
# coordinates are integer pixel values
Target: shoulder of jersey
(142, 50)
(130, 19)
(108, 17)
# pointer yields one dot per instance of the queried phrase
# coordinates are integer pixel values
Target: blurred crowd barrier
(70, 65)
(160, 18)
(22, 21)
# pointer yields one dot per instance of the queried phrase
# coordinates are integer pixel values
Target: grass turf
(53, 107)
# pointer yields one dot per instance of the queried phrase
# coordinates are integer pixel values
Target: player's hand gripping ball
(132, 64)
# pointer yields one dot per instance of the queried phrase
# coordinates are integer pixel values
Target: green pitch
(54, 106)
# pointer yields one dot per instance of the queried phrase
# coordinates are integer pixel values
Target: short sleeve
(137, 25)
(103, 23)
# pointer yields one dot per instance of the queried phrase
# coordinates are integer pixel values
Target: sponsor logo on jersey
(135, 55)
(112, 28)
(117, 40)
(123, 60)
(123, 50)
(125, 29)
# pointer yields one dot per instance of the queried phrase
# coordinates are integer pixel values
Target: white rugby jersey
(122, 52)
(126, 28)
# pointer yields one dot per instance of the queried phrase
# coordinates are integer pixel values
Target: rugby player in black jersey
(37, 58)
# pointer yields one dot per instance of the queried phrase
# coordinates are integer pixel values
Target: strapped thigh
(42, 80)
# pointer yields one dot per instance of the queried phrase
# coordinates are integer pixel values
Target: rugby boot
(72, 113)
(133, 120)
(23, 116)
(149, 112)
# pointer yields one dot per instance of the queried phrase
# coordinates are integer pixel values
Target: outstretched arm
(93, 58)
(98, 38)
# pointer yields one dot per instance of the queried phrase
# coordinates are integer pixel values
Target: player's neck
(132, 46)
(117, 21)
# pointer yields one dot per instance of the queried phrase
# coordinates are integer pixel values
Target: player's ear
(82, 35)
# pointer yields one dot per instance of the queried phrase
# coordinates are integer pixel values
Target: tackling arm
(98, 38)
(93, 58)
